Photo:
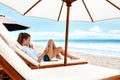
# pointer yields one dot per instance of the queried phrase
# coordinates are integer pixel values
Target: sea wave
(101, 47)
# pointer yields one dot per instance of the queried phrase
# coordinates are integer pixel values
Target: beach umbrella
(69, 10)
(11, 25)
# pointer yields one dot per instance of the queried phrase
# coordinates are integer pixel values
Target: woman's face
(26, 42)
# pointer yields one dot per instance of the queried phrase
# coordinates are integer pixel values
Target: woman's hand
(31, 45)
(46, 50)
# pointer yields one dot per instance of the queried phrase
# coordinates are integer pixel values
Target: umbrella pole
(66, 35)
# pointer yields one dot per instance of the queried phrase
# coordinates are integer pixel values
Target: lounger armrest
(15, 62)
(116, 77)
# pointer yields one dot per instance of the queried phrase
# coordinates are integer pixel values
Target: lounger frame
(10, 70)
(16, 76)
(51, 65)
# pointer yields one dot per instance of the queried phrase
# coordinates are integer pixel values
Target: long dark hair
(22, 36)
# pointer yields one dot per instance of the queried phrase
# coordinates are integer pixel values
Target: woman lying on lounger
(48, 54)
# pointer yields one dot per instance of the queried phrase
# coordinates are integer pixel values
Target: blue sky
(46, 29)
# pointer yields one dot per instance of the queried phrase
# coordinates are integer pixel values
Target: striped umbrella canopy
(12, 25)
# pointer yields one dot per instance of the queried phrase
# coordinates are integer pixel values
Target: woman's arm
(30, 52)
(42, 55)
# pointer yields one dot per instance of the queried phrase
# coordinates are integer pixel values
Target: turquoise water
(100, 47)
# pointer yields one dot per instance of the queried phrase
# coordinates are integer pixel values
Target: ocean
(108, 47)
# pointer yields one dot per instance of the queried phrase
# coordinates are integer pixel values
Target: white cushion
(4, 33)
(20, 52)
(76, 72)
(61, 61)
(7, 37)
(28, 58)
(16, 62)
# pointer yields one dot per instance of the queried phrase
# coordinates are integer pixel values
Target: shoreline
(99, 60)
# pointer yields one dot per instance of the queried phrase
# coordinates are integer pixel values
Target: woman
(48, 54)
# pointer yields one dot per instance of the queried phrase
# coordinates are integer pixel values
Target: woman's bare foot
(74, 58)
(58, 56)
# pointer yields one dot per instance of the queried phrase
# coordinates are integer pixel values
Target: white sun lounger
(18, 70)
(5, 35)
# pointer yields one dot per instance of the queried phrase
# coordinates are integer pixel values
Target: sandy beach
(100, 60)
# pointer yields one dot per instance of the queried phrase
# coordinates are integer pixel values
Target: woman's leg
(54, 51)
(60, 50)
(51, 42)
(51, 48)
(50, 51)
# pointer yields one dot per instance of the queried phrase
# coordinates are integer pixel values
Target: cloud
(81, 34)
(77, 34)
(47, 35)
(115, 32)
(95, 29)
(94, 33)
